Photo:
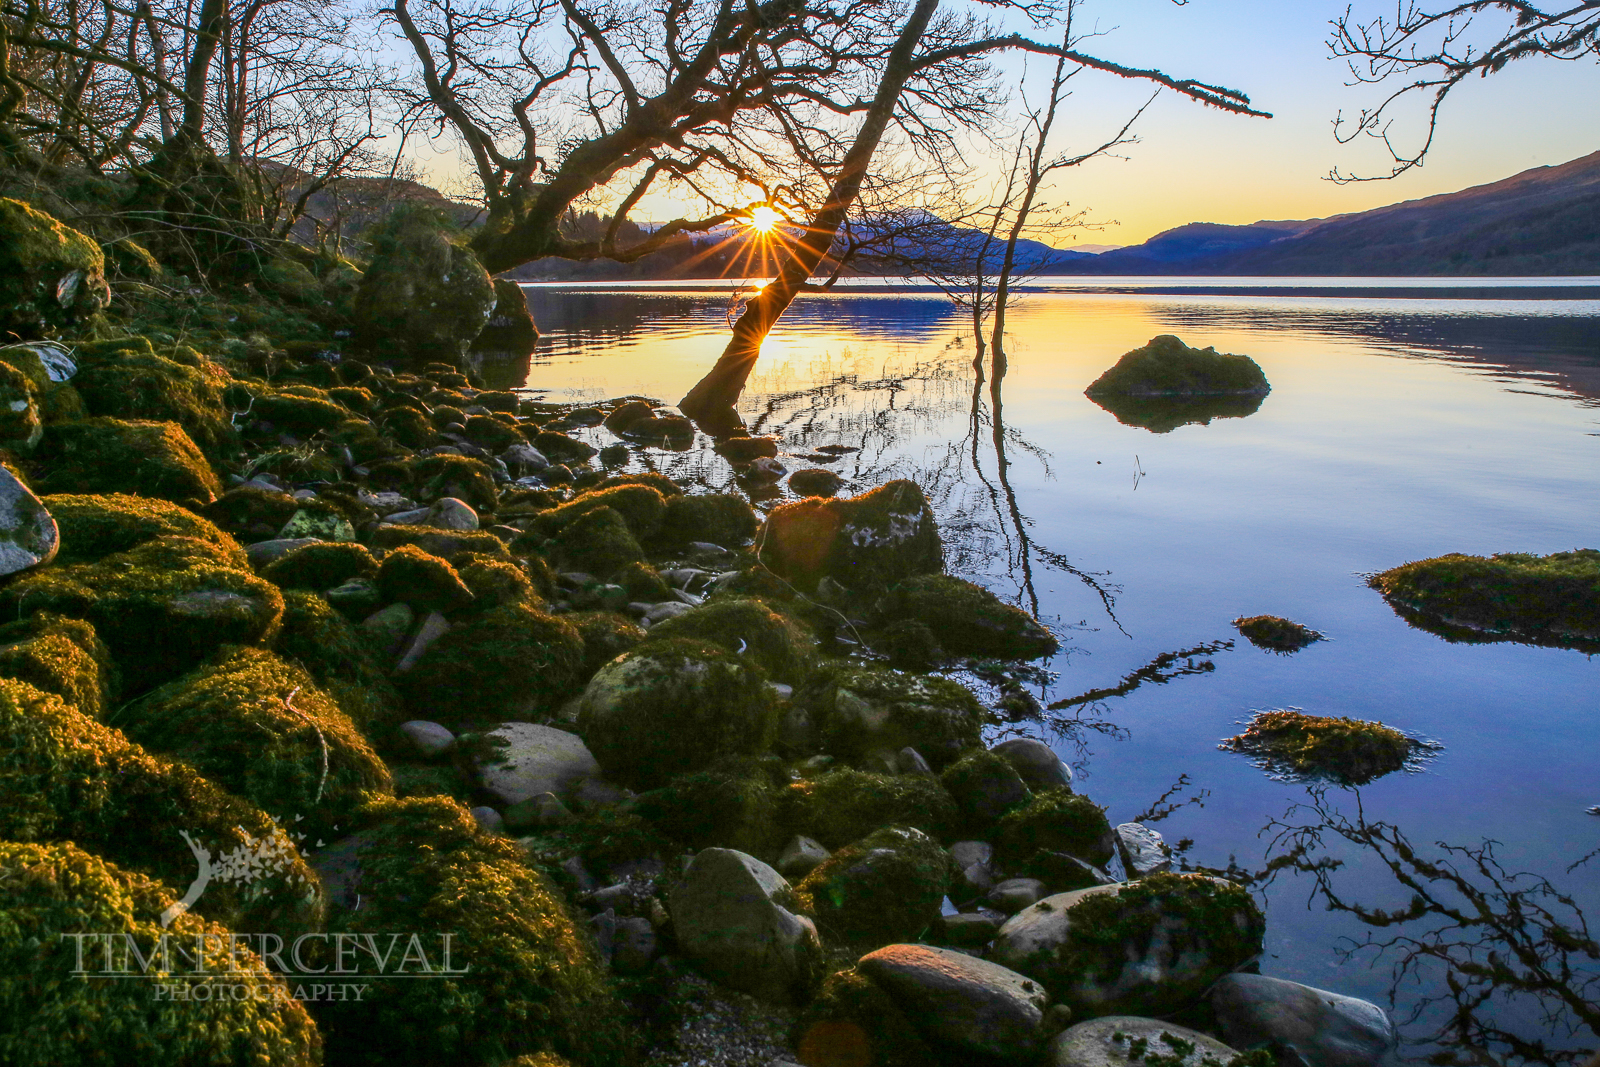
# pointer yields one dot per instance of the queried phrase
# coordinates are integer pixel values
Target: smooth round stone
(965, 1004)
(488, 820)
(428, 738)
(1105, 1042)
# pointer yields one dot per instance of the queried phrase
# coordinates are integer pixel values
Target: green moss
(41, 364)
(533, 981)
(867, 542)
(354, 397)
(512, 662)
(910, 646)
(259, 726)
(606, 635)
(423, 296)
(969, 620)
(422, 580)
(51, 276)
(47, 1018)
(186, 590)
(409, 426)
(458, 476)
(644, 583)
(885, 888)
(446, 544)
(777, 644)
(852, 1021)
(430, 780)
(602, 838)
(251, 514)
(597, 542)
(342, 661)
(1293, 744)
(20, 427)
(654, 479)
(495, 582)
(720, 518)
(861, 710)
(563, 449)
(488, 432)
(68, 777)
(93, 527)
(499, 400)
(733, 804)
(108, 455)
(639, 506)
(673, 707)
(299, 408)
(1552, 599)
(985, 788)
(321, 566)
(128, 380)
(1276, 634)
(1168, 367)
(1056, 820)
(846, 805)
(61, 656)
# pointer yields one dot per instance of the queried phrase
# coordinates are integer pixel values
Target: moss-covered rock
(968, 620)
(321, 566)
(721, 518)
(654, 479)
(109, 455)
(732, 804)
(446, 544)
(51, 276)
(344, 664)
(251, 513)
(188, 591)
(68, 777)
(533, 980)
(466, 479)
(644, 583)
(128, 379)
(301, 409)
(884, 888)
(560, 448)
(422, 580)
(1553, 600)
(1275, 634)
(259, 727)
(1150, 947)
(94, 526)
(513, 662)
(49, 1018)
(510, 331)
(424, 295)
(597, 542)
(673, 707)
(861, 710)
(846, 805)
(1292, 744)
(1057, 820)
(853, 1021)
(60, 656)
(20, 424)
(495, 582)
(864, 542)
(985, 787)
(1166, 367)
(781, 647)
(491, 433)
(49, 367)
(606, 635)
(640, 507)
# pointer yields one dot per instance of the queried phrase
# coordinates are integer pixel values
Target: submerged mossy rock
(95, 526)
(674, 707)
(1273, 633)
(640, 507)
(48, 1018)
(779, 645)
(1292, 744)
(846, 805)
(189, 592)
(60, 656)
(109, 456)
(128, 379)
(1166, 367)
(511, 663)
(969, 620)
(533, 980)
(862, 710)
(259, 727)
(1057, 820)
(68, 777)
(51, 276)
(1512, 596)
(864, 542)
(886, 887)
(423, 296)
(597, 542)
(1150, 947)
(721, 518)
(342, 661)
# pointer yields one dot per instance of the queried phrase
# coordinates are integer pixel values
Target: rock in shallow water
(1307, 1027)
(1143, 850)
(967, 1005)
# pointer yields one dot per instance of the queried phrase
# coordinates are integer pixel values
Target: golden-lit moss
(61, 656)
(846, 805)
(1552, 599)
(422, 580)
(465, 479)
(512, 662)
(747, 626)
(128, 379)
(321, 566)
(93, 527)
(496, 582)
(51, 276)
(640, 507)
(109, 455)
(720, 518)
(866, 542)
(597, 542)
(342, 661)
(1292, 743)
(606, 635)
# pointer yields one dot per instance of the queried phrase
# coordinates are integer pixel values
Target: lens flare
(763, 219)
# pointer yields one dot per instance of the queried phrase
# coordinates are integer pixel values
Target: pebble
(488, 819)
(428, 738)
(433, 627)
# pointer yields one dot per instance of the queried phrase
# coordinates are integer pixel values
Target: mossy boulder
(513, 662)
(466, 479)
(251, 513)
(1275, 634)
(70, 778)
(845, 805)
(51, 276)
(446, 544)
(864, 542)
(128, 379)
(61, 656)
(674, 707)
(640, 507)
(258, 726)
(862, 710)
(597, 542)
(985, 787)
(510, 330)
(423, 580)
(733, 804)
(884, 888)
(188, 591)
(496, 582)
(721, 518)
(968, 620)
(1166, 367)
(342, 661)
(1056, 820)
(49, 1018)
(303, 409)
(1550, 600)
(533, 981)
(779, 645)
(1294, 745)
(49, 368)
(1150, 947)
(144, 458)
(96, 525)
(321, 566)
(606, 635)
(644, 583)
(20, 424)
(424, 295)
(853, 1021)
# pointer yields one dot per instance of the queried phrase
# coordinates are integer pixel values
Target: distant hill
(1544, 221)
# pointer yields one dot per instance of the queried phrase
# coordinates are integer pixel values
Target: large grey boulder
(1307, 1027)
(966, 1004)
(525, 759)
(1143, 849)
(1035, 762)
(1111, 1042)
(28, 535)
(732, 920)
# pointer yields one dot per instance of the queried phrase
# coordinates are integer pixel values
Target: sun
(763, 219)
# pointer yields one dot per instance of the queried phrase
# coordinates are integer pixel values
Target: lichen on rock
(1292, 744)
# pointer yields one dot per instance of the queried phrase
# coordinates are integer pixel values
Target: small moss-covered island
(474, 741)
(1166, 384)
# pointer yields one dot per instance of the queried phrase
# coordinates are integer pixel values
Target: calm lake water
(1407, 419)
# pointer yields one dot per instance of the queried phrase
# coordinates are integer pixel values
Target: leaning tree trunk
(711, 401)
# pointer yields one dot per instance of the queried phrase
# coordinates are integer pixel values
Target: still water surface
(1407, 419)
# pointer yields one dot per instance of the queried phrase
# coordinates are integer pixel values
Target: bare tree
(1430, 50)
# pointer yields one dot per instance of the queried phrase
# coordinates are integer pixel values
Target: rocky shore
(541, 757)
